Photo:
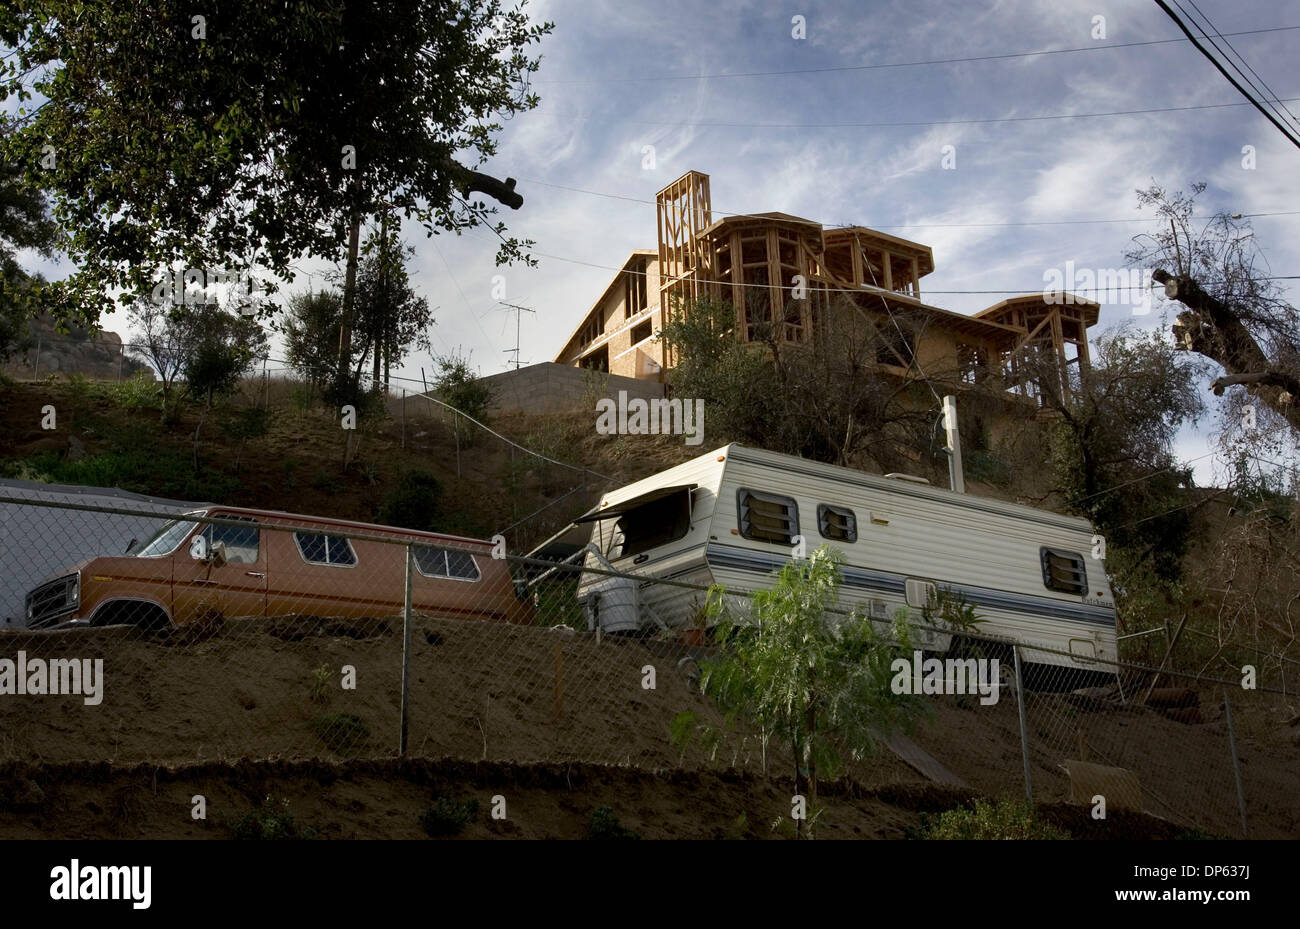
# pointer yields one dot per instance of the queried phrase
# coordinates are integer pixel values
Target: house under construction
(781, 271)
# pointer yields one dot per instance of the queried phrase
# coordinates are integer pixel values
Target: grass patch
(605, 825)
(343, 733)
(270, 821)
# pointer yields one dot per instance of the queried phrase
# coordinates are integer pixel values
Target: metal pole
(1236, 764)
(956, 477)
(1024, 726)
(406, 654)
(36, 367)
(403, 417)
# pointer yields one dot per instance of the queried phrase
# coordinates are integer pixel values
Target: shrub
(605, 825)
(448, 816)
(269, 821)
(415, 503)
(1005, 819)
(341, 732)
(140, 391)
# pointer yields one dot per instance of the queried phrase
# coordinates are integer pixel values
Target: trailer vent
(837, 522)
(767, 517)
(1064, 571)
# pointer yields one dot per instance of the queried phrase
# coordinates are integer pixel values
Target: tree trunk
(349, 291)
(1211, 328)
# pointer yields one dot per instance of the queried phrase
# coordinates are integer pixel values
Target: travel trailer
(734, 515)
(264, 563)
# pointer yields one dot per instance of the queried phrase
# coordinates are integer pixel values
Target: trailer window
(767, 517)
(652, 524)
(325, 549)
(1064, 571)
(434, 562)
(837, 522)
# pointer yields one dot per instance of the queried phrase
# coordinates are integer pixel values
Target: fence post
(406, 654)
(1024, 726)
(1236, 764)
(403, 417)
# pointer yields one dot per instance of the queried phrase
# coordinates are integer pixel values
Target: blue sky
(617, 77)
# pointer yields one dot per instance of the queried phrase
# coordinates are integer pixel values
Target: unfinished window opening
(894, 347)
(837, 523)
(1064, 571)
(642, 332)
(597, 360)
(972, 363)
(634, 289)
(765, 517)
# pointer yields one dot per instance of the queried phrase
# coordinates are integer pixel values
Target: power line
(895, 64)
(1045, 222)
(1262, 83)
(1224, 71)
(915, 123)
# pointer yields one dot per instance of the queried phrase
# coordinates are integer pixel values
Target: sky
(677, 76)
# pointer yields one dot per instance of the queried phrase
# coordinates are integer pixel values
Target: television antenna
(519, 312)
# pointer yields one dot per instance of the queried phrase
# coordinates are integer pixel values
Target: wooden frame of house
(780, 271)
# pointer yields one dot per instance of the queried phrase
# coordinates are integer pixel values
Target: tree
(260, 132)
(310, 329)
(390, 317)
(1233, 314)
(24, 223)
(1111, 446)
(203, 348)
(777, 395)
(794, 670)
(462, 389)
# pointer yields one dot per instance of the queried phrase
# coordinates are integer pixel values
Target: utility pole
(519, 311)
(956, 478)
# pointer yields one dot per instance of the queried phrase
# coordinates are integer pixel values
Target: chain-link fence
(146, 634)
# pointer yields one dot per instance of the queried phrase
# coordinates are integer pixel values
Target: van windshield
(165, 540)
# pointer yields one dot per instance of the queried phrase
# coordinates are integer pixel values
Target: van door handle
(256, 573)
(639, 559)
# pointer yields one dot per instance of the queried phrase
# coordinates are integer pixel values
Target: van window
(837, 522)
(652, 524)
(1064, 571)
(325, 549)
(240, 542)
(766, 517)
(434, 562)
(166, 539)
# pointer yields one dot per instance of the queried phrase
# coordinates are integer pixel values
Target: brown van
(313, 565)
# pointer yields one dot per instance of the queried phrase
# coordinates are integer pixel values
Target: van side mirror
(130, 545)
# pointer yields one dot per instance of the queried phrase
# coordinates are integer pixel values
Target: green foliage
(1112, 448)
(987, 467)
(458, 385)
(140, 391)
(270, 821)
(1004, 819)
(407, 85)
(321, 678)
(949, 610)
(310, 328)
(816, 681)
(343, 733)
(605, 825)
(448, 816)
(415, 503)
